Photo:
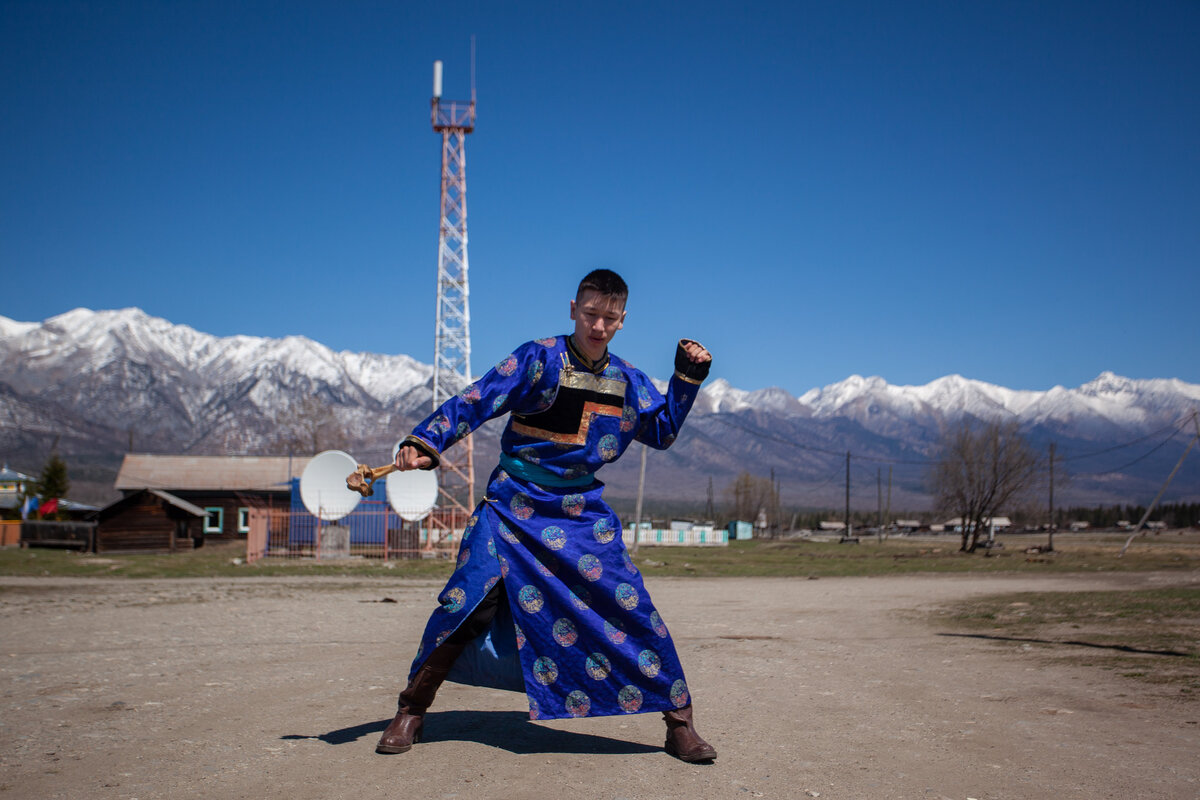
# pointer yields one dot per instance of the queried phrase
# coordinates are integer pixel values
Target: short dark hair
(603, 281)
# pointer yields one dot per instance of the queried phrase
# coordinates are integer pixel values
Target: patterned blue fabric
(588, 639)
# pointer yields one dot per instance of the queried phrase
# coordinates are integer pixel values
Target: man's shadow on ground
(506, 730)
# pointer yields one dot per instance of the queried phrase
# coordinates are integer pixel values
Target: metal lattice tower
(452, 337)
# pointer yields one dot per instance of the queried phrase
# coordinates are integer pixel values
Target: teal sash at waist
(539, 475)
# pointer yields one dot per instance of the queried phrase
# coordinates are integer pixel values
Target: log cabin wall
(226, 526)
(145, 523)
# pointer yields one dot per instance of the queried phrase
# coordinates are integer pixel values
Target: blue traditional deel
(578, 633)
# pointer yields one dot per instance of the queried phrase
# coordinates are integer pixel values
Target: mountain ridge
(98, 379)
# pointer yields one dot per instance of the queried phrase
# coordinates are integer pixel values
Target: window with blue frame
(215, 521)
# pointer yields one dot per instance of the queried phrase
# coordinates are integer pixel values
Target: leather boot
(682, 740)
(405, 729)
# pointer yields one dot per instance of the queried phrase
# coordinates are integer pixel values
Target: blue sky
(1008, 191)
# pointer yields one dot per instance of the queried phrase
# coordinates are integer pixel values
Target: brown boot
(405, 729)
(682, 740)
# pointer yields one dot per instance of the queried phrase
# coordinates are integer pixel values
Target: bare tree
(982, 467)
(751, 495)
(309, 426)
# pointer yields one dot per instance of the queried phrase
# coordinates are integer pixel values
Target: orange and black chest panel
(581, 397)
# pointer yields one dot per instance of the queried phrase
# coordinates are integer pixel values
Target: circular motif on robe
(545, 671)
(462, 431)
(530, 599)
(578, 704)
(534, 373)
(554, 537)
(669, 439)
(604, 531)
(470, 394)
(452, 600)
(597, 666)
(499, 402)
(491, 547)
(547, 398)
(503, 566)
(505, 533)
(581, 598)
(444, 635)
(520, 506)
(549, 341)
(643, 397)
(679, 694)
(614, 629)
(544, 568)
(628, 418)
(534, 710)
(613, 373)
(649, 663)
(572, 505)
(501, 476)
(629, 565)
(589, 567)
(659, 626)
(608, 446)
(520, 635)
(492, 581)
(627, 596)
(574, 472)
(439, 424)
(630, 699)
(508, 366)
(528, 454)
(564, 632)
(464, 556)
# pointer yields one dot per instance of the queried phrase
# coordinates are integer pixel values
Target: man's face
(597, 317)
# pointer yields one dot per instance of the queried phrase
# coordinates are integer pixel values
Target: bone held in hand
(362, 479)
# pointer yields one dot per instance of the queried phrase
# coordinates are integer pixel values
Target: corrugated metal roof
(205, 473)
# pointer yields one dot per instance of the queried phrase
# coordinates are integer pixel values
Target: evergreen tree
(53, 482)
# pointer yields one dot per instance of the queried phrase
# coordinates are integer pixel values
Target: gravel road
(829, 688)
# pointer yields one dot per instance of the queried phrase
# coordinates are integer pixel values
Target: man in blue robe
(545, 598)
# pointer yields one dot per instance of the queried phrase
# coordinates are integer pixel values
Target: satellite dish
(323, 485)
(412, 494)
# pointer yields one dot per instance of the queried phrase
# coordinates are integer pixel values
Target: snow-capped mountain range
(101, 381)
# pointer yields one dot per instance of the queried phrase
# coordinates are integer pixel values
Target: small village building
(149, 521)
(998, 524)
(832, 525)
(225, 488)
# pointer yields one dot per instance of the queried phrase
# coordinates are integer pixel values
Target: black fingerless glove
(687, 369)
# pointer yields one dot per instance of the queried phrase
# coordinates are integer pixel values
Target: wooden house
(225, 488)
(148, 520)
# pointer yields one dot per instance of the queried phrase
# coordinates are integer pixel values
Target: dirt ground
(827, 688)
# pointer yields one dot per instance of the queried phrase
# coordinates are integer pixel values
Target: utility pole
(637, 513)
(879, 500)
(888, 512)
(709, 511)
(1050, 543)
(1171, 477)
(848, 529)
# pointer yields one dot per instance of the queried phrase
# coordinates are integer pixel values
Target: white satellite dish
(412, 494)
(323, 485)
